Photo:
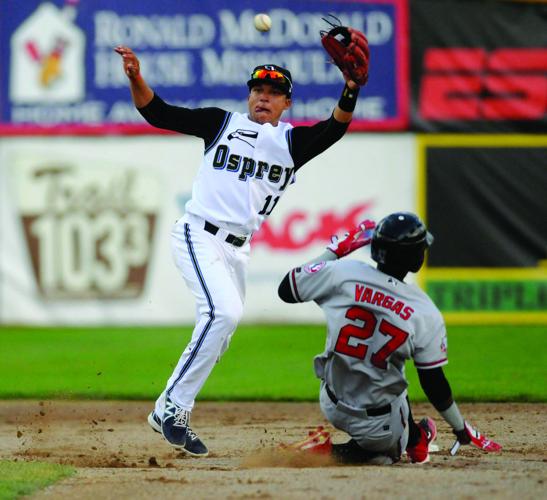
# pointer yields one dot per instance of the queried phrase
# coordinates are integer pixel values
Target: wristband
(348, 99)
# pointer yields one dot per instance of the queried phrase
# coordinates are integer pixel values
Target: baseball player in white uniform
(249, 162)
(375, 322)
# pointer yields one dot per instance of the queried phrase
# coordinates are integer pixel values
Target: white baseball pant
(215, 271)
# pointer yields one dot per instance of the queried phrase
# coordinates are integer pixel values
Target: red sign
(301, 229)
(474, 84)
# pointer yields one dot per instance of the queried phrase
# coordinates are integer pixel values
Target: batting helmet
(399, 241)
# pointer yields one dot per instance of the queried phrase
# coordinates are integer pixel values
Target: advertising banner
(60, 69)
(478, 66)
(85, 224)
(485, 204)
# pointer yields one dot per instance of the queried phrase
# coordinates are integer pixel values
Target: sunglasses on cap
(276, 77)
(261, 74)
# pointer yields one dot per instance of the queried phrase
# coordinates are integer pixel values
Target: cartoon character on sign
(47, 57)
(50, 63)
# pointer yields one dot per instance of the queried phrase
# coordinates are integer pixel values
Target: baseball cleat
(318, 442)
(154, 421)
(419, 454)
(194, 445)
(174, 425)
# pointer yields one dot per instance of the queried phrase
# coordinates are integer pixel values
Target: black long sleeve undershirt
(305, 142)
(436, 388)
(200, 122)
(308, 142)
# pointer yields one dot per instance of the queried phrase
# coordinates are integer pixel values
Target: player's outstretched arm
(343, 111)
(437, 389)
(204, 123)
(141, 93)
(358, 237)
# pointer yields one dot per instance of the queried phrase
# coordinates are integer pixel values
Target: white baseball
(263, 22)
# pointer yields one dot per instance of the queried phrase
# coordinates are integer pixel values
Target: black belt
(237, 241)
(371, 412)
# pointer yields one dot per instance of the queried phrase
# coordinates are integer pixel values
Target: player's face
(267, 103)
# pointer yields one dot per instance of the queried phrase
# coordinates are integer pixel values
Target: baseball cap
(273, 75)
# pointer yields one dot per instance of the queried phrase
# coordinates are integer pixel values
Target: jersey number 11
(265, 210)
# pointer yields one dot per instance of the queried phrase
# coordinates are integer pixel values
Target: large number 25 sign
(397, 337)
(473, 84)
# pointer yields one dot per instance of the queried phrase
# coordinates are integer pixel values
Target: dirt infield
(118, 456)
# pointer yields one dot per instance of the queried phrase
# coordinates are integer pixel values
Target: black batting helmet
(399, 241)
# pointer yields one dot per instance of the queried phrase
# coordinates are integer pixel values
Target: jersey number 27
(396, 336)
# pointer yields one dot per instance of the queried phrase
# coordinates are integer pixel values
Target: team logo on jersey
(444, 344)
(248, 136)
(314, 268)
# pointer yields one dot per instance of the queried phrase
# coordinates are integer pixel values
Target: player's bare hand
(131, 64)
(358, 237)
(470, 435)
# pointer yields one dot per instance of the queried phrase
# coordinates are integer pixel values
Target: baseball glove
(348, 49)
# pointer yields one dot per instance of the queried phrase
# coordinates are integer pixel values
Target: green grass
(495, 363)
(22, 478)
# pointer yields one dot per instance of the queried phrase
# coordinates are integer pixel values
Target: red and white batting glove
(469, 435)
(318, 442)
(356, 238)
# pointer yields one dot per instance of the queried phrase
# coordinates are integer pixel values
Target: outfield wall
(85, 224)
(86, 208)
(484, 198)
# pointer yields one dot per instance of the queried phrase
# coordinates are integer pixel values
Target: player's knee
(229, 316)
